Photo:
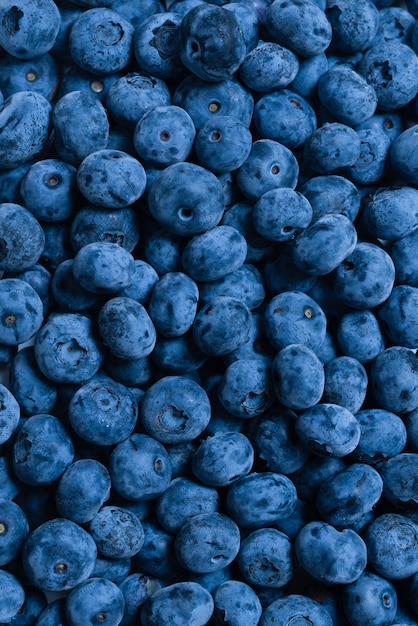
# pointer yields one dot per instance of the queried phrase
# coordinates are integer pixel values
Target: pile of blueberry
(209, 312)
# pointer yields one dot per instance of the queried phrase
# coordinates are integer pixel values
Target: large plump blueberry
(28, 28)
(131, 95)
(223, 144)
(207, 542)
(173, 304)
(331, 147)
(391, 69)
(155, 45)
(126, 328)
(97, 600)
(390, 213)
(204, 101)
(103, 267)
(265, 558)
(212, 45)
(268, 166)
(383, 435)
(81, 126)
(111, 178)
(175, 409)
(58, 555)
(281, 214)
(394, 379)
(354, 25)
(347, 95)
(82, 490)
(140, 468)
(117, 532)
(370, 600)
(164, 135)
(399, 486)
(298, 377)
(328, 429)
(301, 26)
(365, 278)
(67, 349)
(196, 199)
(42, 450)
(260, 499)
(294, 317)
(186, 602)
(345, 383)
(103, 412)
(221, 326)
(392, 546)
(347, 499)
(100, 41)
(397, 316)
(331, 555)
(268, 67)
(237, 602)
(223, 458)
(372, 161)
(22, 238)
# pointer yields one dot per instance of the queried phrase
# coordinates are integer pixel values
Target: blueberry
(331, 555)
(402, 154)
(196, 199)
(111, 178)
(163, 250)
(29, 29)
(66, 348)
(332, 193)
(207, 542)
(100, 41)
(97, 600)
(40, 75)
(212, 45)
(139, 468)
(370, 600)
(126, 328)
(33, 391)
(157, 557)
(268, 166)
(53, 613)
(68, 292)
(117, 532)
(81, 126)
(328, 429)
(155, 45)
(394, 379)
(237, 603)
(276, 443)
(182, 499)
(58, 555)
(260, 499)
(301, 26)
(396, 315)
(222, 458)
(103, 412)
(365, 278)
(395, 24)
(284, 116)
(82, 490)
(389, 68)
(294, 317)
(347, 499)
(398, 483)
(391, 541)
(298, 377)
(373, 157)
(136, 589)
(266, 558)
(245, 284)
(12, 596)
(295, 608)
(164, 135)
(345, 383)
(390, 214)
(175, 409)
(22, 238)
(310, 70)
(204, 101)
(119, 226)
(223, 144)
(42, 450)
(186, 601)
(14, 528)
(268, 67)
(354, 25)
(383, 435)
(248, 21)
(131, 95)
(401, 252)
(173, 304)
(331, 147)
